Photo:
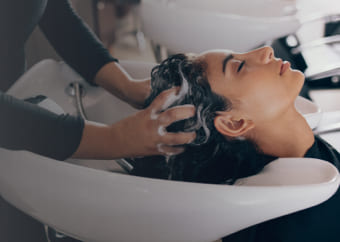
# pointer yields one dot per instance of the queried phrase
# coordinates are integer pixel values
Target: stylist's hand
(136, 91)
(145, 132)
(117, 81)
(141, 134)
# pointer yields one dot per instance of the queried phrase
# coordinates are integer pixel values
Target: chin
(297, 79)
(298, 76)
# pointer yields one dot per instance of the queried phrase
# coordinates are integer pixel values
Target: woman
(245, 118)
(25, 126)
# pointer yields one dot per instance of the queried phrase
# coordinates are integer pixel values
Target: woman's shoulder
(321, 149)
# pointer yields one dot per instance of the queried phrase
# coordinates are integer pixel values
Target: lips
(284, 66)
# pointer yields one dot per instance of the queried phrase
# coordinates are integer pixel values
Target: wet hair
(211, 157)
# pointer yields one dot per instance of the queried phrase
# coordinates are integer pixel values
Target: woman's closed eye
(240, 66)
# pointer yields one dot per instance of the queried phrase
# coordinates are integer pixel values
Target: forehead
(214, 59)
(214, 56)
(216, 51)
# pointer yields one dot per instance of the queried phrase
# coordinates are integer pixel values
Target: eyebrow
(225, 61)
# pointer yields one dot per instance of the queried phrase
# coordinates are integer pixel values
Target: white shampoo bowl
(96, 205)
(199, 25)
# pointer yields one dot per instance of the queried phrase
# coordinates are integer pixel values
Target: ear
(232, 127)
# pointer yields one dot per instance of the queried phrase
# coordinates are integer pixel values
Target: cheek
(266, 102)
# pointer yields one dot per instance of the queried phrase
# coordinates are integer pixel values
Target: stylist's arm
(118, 82)
(138, 135)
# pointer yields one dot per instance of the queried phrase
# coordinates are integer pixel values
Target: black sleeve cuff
(26, 126)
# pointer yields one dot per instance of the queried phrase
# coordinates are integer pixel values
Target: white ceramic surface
(199, 25)
(95, 205)
(253, 8)
(309, 110)
(330, 118)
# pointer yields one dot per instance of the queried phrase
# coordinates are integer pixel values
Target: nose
(267, 54)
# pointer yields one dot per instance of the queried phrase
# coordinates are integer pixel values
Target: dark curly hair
(210, 158)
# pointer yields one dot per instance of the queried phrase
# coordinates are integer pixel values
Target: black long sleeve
(26, 126)
(73, 40)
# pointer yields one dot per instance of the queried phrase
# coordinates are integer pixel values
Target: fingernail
(193, 138)
(176, 89)
(179, 151)
(191, 106)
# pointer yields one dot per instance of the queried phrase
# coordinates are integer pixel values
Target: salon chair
(84, 200)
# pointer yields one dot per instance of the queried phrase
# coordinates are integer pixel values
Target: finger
(180, 138)
(177, 113)
(169, 150)
(162, 98)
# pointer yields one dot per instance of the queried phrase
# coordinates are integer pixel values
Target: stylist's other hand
(145, 132)
(136, 92)
(118, 82)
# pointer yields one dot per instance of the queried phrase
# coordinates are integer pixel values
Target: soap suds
(161, 130)
(173, 98)
(153, 115)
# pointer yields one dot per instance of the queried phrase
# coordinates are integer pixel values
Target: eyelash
(240, 66)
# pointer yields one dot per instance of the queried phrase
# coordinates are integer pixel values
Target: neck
(288, 136)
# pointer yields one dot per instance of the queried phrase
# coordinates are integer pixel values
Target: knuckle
(149, 126)
(172, 114)
(179, 139)
(175, 140)
(171, 139)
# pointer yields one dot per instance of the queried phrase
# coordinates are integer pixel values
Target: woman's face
(260, 86)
